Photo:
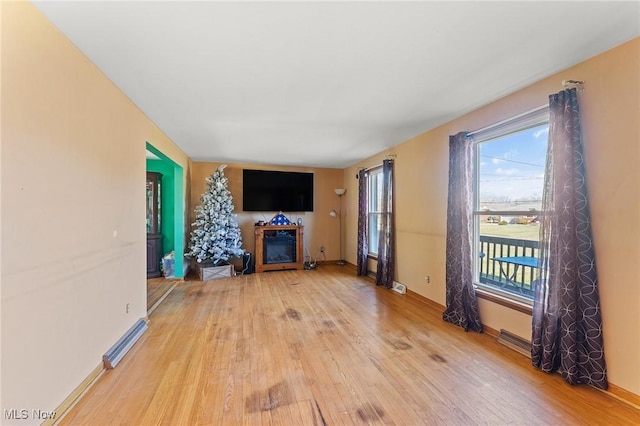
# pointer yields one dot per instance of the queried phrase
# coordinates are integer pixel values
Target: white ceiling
(326, 84)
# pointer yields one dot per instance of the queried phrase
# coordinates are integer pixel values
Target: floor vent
(399, 288)
(514, 342)
(122, 346)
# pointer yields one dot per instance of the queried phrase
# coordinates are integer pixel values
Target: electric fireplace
(278, 247)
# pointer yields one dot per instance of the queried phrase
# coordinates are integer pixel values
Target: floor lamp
(339, 192)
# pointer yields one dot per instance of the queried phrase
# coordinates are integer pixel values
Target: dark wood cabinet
(154, 255)
(154, 236)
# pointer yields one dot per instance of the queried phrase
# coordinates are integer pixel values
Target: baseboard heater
(514, 342)
(122, 346)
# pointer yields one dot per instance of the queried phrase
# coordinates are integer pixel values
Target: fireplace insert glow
(280, 248)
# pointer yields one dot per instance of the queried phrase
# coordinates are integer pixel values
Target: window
(509, 172)
(374, 210)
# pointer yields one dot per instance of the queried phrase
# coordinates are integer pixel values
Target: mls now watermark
(24, 414)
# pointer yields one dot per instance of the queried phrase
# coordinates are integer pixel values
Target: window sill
(506, 302)
(372, 256)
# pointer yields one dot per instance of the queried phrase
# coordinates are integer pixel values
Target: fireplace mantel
(264, 233)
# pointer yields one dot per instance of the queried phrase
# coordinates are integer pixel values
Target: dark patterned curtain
(386, 243)
(462, 305)
(363, 223)
(567, 323)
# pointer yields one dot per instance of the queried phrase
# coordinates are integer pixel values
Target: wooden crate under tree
(208, 272)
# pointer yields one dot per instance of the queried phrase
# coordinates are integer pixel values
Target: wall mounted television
(269, 190)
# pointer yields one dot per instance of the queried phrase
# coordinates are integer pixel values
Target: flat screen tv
(268, 190)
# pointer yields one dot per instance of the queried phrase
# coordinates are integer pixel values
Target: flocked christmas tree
(216, 236)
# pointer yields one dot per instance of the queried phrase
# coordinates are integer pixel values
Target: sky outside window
(512, 170)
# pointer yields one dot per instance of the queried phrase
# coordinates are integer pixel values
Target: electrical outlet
(321, 249)
(427, 279)
(127, 308)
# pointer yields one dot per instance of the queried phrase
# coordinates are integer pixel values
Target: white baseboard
(73, 398)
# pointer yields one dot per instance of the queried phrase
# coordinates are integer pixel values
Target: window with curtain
(510, 160)
(374, 209)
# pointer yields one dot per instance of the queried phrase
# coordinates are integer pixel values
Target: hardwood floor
(325, 347)
(157, 289)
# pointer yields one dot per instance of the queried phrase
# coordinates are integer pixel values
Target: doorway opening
(171, 215)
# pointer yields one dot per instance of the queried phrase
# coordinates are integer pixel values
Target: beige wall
(610, 107)
(320, 229)
(73, 212)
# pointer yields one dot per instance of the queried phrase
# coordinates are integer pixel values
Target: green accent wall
(172, 205)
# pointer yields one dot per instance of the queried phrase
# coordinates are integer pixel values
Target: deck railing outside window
(507, 277)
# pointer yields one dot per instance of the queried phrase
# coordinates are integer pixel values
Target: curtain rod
(491, 126)
(389, 157)
(367, 169)
(569, 84)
